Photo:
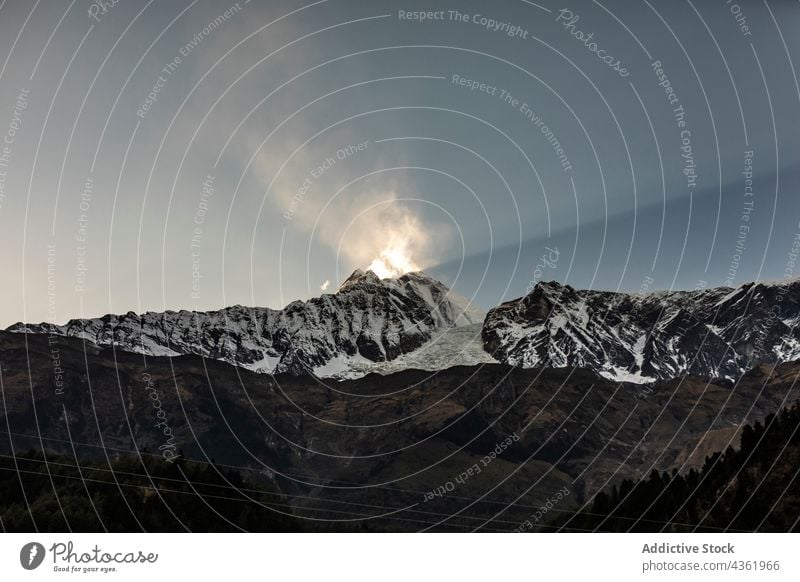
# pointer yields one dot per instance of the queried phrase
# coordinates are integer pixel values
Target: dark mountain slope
(360, 449)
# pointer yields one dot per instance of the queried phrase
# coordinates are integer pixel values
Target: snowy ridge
(367, 322)
(713, 333)
(387, 325)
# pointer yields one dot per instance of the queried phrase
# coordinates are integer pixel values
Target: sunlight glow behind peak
(393, 261)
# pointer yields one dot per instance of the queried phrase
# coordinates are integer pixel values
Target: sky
(193, 155)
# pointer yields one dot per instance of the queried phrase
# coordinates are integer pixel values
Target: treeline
(754, 488)
(132, 494)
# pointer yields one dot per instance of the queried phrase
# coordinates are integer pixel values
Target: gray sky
(243, 181)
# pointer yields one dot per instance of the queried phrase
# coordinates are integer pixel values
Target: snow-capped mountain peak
(359, 277)
(367, 321)
(643, 337)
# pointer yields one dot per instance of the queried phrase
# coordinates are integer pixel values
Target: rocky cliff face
(366, 322)
(714, 333)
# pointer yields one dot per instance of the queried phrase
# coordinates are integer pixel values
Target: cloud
(379, 221)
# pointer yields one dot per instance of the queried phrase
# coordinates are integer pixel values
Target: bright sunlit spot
(393, 261)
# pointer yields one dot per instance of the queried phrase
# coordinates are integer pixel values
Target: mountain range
(416, 322)
(715, 333)
(365, 324)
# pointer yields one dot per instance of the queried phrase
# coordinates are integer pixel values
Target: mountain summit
(359, 277)
(368, 321)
